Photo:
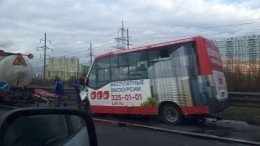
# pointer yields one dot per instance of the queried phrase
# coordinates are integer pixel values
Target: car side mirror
(47, 127)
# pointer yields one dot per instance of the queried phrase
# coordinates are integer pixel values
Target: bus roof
(150, 46)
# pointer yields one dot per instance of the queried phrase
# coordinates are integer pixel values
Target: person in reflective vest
(59, 90)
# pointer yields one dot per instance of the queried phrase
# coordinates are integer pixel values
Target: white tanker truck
(15, 69)
(15, 72)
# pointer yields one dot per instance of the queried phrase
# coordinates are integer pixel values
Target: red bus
(172, 80)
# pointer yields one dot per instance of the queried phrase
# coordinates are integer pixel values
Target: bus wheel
(171, 114)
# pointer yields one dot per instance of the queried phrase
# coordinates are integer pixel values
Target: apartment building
(64, 67)
(240, 53)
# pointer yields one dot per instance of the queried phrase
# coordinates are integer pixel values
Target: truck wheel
(171, 114)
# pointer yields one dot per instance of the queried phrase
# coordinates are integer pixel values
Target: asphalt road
(224, 128)
(113, 135)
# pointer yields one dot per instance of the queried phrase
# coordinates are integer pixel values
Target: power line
(142, 39)
(170, 30)
(82, 52)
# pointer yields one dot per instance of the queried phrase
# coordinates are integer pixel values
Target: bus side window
(119, 67)
(122, 60)
(138, 65)
(164, 53)
(114, 61)
(153, 56)
(119, 73)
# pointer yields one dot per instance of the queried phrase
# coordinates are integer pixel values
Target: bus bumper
(217, 106)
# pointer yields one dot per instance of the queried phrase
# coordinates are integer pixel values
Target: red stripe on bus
(125, 110)
(189, 110)
(145, 110)
(204, 62)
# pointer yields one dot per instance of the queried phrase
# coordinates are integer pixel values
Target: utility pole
(90, 53)
(127, 38)
(44, 56)
(122, 40)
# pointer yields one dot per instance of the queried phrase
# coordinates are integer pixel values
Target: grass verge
(249, 114)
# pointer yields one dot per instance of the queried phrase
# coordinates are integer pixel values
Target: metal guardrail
(69, 92)
(246, 99)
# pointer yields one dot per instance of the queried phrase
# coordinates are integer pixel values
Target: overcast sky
(71, 25)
